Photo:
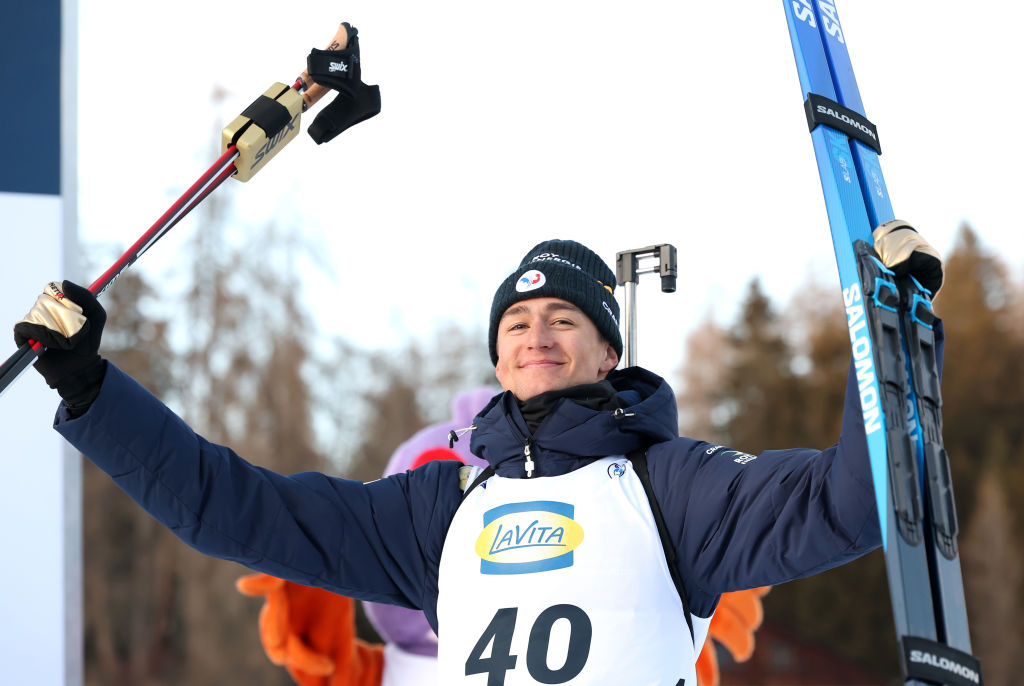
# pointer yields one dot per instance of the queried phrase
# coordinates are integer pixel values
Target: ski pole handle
(264, 128)
(315, 91)
(13, 366)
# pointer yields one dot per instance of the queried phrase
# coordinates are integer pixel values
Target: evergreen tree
(767, 389)
(983, 399)
(780, 380)
(765, 392)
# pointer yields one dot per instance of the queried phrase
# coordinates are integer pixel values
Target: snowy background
(504, 124)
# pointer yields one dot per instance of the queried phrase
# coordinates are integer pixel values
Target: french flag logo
(530, 281)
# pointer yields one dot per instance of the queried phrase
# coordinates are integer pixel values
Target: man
(311, 631)
(553, 570)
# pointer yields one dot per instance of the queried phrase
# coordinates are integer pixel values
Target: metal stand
(659, 259)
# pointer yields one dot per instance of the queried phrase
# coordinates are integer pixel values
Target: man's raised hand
(67, 320)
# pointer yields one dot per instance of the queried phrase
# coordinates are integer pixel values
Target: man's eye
(517, 326)
(562, 322)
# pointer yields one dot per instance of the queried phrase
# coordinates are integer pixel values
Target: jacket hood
(573, 435)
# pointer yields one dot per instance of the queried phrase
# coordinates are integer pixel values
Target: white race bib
(561, 580)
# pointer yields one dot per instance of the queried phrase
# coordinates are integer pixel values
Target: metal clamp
(628, 269)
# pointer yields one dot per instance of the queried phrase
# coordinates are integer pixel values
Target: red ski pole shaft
(213, 177)
(223, 168)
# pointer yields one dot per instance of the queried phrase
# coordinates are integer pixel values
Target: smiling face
(546, 344)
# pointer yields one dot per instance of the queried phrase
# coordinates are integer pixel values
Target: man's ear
(611, 359)
(497, 375)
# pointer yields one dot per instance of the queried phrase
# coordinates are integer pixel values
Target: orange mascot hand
(311, 632)
(738, 615)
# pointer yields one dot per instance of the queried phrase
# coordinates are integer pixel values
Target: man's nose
(540, 336)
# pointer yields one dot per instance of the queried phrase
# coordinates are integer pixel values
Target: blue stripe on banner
(564, 509)
(30, 40)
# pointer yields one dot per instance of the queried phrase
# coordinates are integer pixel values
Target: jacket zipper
(530, 464)
(529, 459)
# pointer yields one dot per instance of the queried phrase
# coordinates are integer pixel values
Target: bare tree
(703, 406)
(130, 579)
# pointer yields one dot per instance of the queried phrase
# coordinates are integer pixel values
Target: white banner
(38, 472)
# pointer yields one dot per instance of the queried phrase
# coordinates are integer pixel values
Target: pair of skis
(891, 333)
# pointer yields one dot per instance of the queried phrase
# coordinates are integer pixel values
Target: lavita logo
(528, 537)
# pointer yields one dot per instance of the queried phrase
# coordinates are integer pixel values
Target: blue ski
(889, 319)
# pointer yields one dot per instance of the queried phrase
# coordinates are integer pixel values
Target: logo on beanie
(611, 314)
(529, 281)
(554, 257)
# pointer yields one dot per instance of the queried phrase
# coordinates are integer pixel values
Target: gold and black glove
(903, 250)
(68, 320)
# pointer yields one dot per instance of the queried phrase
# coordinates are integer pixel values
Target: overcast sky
(503, 124)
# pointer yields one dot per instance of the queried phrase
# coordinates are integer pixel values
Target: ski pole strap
(639, 460)
(481, 476)
(340, 70)
(822, 110)
(268, 114)
(936, 662)
(335, 68)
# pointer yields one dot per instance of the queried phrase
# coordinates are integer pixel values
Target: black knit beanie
(567, 270)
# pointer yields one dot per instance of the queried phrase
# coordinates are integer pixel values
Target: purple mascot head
(408, 629)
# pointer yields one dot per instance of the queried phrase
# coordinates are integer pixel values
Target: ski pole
(627, 272)
(249, 142)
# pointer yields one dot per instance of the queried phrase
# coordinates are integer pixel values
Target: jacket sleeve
(379, 541)
(741, 521)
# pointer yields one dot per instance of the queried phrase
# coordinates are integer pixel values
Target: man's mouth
(540, 364)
